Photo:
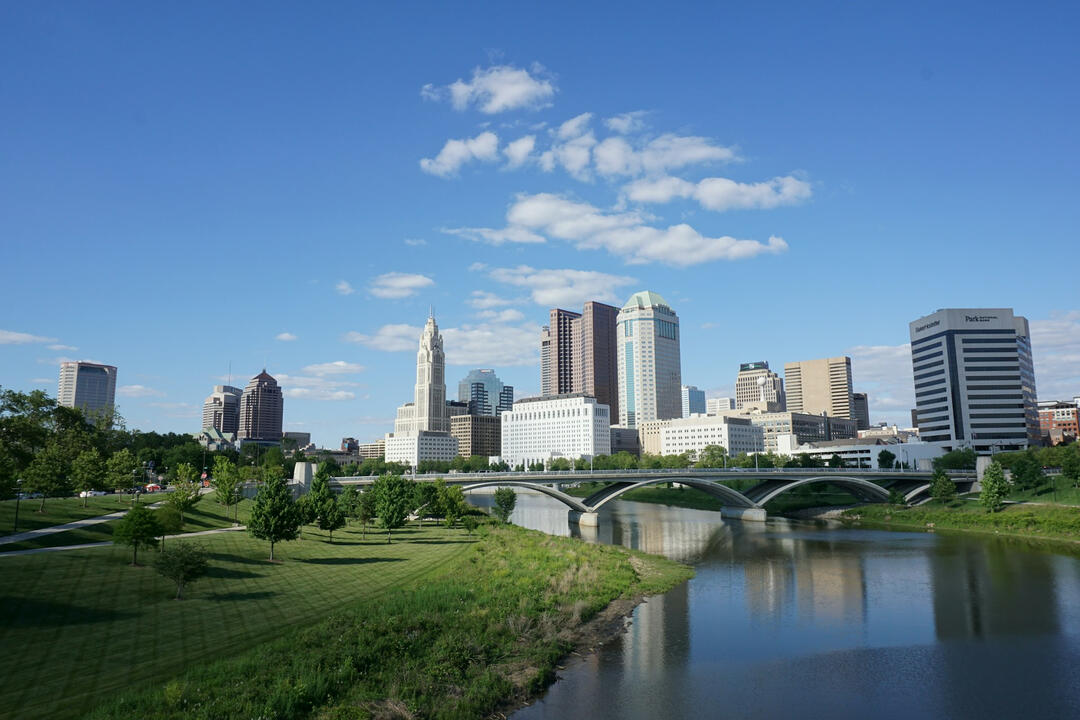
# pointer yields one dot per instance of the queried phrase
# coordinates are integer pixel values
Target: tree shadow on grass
(230, 574)
(18, 612)
(240, 559)
(240, 596)
(439, 542)
(349, 561)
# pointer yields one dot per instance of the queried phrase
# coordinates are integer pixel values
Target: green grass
(1058, 491)
(58, 511)
(78, 627)
(1021, 520)
(476, 639)
(208, 514)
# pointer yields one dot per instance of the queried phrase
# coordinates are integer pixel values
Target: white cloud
(317, 394)
(455, 153)
(483, 300)
(43, 381)
(563, 287)
(344, 288)
(389, 338)
(1055, 345)
(509, 315)
(399, 285)
(575, 156)
(625, 234)
(884, 373)
(616, 156)
(177, 409)
(415, 242)
(10, 337)
(518, 152)
(317, 385)
(497, 89)
(138, 391)
(626, 122)
(496, 236)
(337, 367)
(285, 337)
(721, 194)
(574, 127)
(59, 348)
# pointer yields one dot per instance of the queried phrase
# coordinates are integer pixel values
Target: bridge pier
(743, 513)
(585, 519)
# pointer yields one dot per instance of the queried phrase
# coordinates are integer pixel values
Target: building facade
(558, 346)
(485, 393)
(1059, 422)
(806, 428)
(577, 354)
(694, 434)
(693, 401)
(625, 440)
(717, 406)
(413, 448)
(863, 452)
(477, 435)
(819, 386)
(860, 406)
(974, 379)
(261, 410)
(756, 386)
(565, 426)
(649, 362)
(88, 386)
(221, 410)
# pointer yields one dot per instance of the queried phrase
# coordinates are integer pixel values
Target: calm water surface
(787, 619)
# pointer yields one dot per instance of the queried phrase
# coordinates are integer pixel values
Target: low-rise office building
(563, 426)
(693, 434)
(624, 439)
(807, 428)
(409, 449)
(650, 436)
(477, 434)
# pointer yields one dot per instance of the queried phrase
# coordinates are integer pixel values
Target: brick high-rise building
(578, 354)
(261, 408)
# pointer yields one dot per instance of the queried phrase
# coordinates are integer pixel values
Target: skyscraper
(759, 386)
(693, 401)
(485, 393)
(221, 410)
(261, 409)
(577, 354)
(557, 364)
(861, 408)
(819, 386)
(650, 369)
(974, 379)
(88, 386)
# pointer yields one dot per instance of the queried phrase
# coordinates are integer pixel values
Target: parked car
(153, 487)
(91, 493)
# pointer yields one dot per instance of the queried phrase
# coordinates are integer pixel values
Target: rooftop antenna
(431, 311)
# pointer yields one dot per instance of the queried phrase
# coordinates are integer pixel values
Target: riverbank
(482, 636)
(1035, 522)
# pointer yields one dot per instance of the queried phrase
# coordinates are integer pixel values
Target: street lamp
(18, 496)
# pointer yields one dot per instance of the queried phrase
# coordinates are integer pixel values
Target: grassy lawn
(58, 511)
(78, 627)
(468, 643)
(1033, 521)
(207, 515)
(1058, 491)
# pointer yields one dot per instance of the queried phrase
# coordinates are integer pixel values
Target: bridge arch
(570, 501)
(729, 495)
(862, 489)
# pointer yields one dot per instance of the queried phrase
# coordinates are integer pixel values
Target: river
(789, 619)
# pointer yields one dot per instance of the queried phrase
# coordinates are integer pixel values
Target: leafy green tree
(306, 512)
(956, 460)
(469, 523)
(88, 472)
(478, 463)
(1027, 474)
(138, 528)
(1070, 465)
(48, 474)
(120, 470)
(896, 498)
(273, 516)
(393, 495)
(349, 501)
(712, 456)
(994, 488)
(836, 461)
(227, 485)
(323, 503)
(170, 521)
(365, 510)
(886, 460)
(453, 504)
(330, 516)
(426, 498)
(186, 490)
(183, 563)
(505, 501)
(942, 488)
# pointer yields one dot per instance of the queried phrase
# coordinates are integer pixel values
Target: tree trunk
(388, 535)
(331, 536)
(135, 555)
(179, 591)
(84, 499)
(41, 508)
(271, 551)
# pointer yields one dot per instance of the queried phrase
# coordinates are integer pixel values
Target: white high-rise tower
(650, 368)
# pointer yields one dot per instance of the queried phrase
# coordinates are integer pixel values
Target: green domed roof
(644, 299)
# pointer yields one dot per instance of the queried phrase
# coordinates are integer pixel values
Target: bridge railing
(578, 474)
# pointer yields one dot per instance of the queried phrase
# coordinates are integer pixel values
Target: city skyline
(495, 179)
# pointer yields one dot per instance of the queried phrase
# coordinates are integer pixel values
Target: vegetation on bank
(482, 636)
(1043, 521)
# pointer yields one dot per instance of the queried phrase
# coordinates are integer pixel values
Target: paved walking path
(106, 543)
(73, 525)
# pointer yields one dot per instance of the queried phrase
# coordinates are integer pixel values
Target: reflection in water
(789, 618)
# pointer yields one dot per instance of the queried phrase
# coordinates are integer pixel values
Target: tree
(994, 488)
(186, 490)
(170, 522)
(183, 563)
(956, 460)
(48, 474)
(119, 470)
(505, 501)
(227, 486)
(1027, 474)
(886, 460)
(836, 461)
(712, 456)
(330, 516)
(1070, 464)
(469, 522)
(942, 488)
(393, 495)
(306, 512)
(896, 498)
(138, 528)
(323, 503)
(349, 501)
(426, 497)
(453, 504)
(88, 472)
(365, 510)
(273, 516)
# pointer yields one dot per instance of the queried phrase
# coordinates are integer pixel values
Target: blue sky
(186, 187)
